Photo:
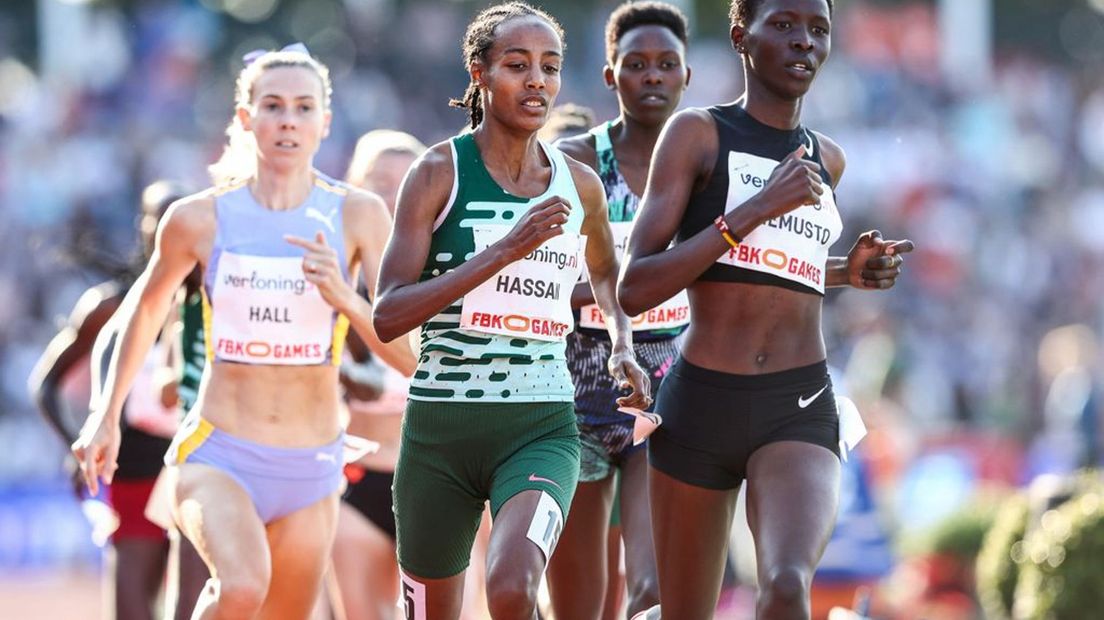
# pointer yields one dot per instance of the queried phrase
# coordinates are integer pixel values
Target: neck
(769, 108)
(634, 137)
(510, 152)
(281, 190)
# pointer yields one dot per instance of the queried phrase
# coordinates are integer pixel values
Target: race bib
(266, 312)
(675, 312)
(793, 246)
(531, 297)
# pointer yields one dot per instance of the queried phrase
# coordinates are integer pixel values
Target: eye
(782, 25)
(306, 107)
(518, 66)
(636, 65)
(820, 31)
(551, 69)
(271, 107)
(669, 64)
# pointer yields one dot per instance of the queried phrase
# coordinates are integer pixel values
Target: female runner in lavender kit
(257, 465)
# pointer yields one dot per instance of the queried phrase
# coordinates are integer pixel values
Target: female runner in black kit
(746, 191)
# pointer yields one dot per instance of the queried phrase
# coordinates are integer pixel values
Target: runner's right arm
(184, 227)
(402, 302)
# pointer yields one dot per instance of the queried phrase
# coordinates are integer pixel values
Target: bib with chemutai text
(793, 246)
(531, 297)
(268, 313)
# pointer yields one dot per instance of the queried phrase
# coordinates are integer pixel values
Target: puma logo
(315, 214)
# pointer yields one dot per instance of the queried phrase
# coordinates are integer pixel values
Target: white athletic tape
(413, 599)
(547, 525)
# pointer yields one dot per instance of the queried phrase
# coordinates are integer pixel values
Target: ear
(737, 34)
(244, 117)
(689, 72)
(607, 75)
(477, 72)
(327, 116)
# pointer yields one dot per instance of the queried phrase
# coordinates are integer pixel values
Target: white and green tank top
(511, 345)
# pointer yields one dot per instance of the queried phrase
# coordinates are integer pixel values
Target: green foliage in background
(962, 532)
(1061, 576)
(997, 565)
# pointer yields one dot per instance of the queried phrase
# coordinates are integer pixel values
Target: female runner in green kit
(484, 254)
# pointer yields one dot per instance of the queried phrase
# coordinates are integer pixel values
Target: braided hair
(478, 40)
(743, 11)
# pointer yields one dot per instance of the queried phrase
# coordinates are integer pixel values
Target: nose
(287, 119)
(653, 76)
(535, 79)
(802, 40)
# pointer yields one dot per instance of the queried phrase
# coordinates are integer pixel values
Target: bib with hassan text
(531, 297)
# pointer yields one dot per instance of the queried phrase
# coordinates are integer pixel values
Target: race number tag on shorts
(547, 525)
(268, 313)
(531, 297)
(675, 312)
(851, 426)
(413, 598)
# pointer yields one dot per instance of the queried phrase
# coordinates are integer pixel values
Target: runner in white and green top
(486, 248)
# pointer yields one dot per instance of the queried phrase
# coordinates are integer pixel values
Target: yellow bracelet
(726, 232)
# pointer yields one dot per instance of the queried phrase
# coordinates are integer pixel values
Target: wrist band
(726, 232)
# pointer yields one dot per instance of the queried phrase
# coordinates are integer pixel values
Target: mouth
(534, 103)
(801, 69)
(654, 99)
(287, 144)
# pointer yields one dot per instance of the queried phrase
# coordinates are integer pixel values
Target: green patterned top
(194, 349)
(470, 366)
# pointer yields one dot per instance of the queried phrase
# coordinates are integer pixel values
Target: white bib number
(529, 298)
(268, 313)
(793, 246)
(675, 312)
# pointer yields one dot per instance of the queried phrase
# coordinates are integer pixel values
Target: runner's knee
(241, 595)
(786, 587)
(511, 593)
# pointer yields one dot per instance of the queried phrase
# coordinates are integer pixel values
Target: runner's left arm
(873, 262)
(601, 260)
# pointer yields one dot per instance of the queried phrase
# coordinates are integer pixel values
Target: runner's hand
(628, 374)
(543, 221)
(874, 263)
(793, 183)
(97, 450)
(322, 268)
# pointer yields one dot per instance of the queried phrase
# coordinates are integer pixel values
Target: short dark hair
(743, 11)
(478, 40)
(635, 14)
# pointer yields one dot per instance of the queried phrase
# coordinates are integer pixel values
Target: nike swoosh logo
(805, 402)
(536, 478)
(809, 143)
(322, 456)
